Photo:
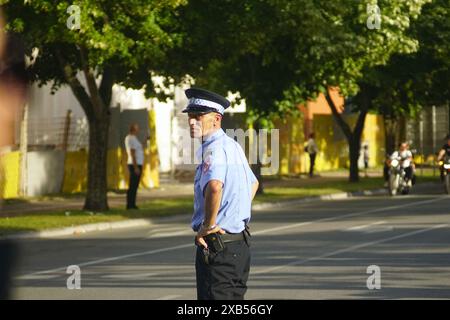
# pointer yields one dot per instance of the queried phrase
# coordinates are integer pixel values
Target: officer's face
(403, 147)
(201, 124)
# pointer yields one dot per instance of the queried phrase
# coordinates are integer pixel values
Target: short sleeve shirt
(223, 159)
(132, 142)
(402, 154)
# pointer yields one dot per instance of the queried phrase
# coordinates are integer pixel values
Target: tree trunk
(354, 150)
(353, 137)
(257, 167)
(96, 107)
(97, 187)
(390, 133)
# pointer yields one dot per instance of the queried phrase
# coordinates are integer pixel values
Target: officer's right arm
(212, 180)
(213, 196)
(255, 187)
(254, 181)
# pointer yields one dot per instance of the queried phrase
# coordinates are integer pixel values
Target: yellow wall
(117, 171)
(9, 175)
(75, 172)
(333, 154)
(291, 144)
(374, 134)
(75, 177)
(151, 170)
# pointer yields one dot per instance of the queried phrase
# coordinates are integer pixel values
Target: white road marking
(39, 277)
(170, 234)
(379, 229)
(164, 229)
(355, 247)
(130, 276)
(126, 256)
(364, 226)
(290, 226)
(355, 214)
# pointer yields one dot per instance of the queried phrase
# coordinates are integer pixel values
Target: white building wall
(47, 114)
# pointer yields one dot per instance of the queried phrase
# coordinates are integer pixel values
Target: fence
(65, 133)
(56, 159)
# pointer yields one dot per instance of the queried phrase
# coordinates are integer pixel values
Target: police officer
(224, 187)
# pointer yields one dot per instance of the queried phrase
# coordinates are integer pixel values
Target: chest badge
(206, 163)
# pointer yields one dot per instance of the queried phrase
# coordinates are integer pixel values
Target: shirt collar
(216, 135)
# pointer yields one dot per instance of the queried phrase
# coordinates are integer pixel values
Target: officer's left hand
(204, 232)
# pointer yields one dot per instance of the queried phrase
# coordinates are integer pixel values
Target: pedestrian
(366, 158)
(224, 187)
(312, 150)
(135, 153)
(444, 155)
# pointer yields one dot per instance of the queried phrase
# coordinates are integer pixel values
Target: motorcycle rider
(405, 156)
(443, 154)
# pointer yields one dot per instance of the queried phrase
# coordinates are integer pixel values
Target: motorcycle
(397, 177)
(445, 167)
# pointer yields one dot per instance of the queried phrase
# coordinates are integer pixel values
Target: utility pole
(66, 130)
(421, 142)
(24, 152)
(433, 128)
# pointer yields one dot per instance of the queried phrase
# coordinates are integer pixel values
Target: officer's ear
(217, 118)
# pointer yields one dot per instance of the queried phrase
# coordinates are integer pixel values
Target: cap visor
(198, 109)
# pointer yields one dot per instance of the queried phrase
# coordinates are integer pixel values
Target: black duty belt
(230, 237)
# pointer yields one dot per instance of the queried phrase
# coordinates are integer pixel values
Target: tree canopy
(278, 53)
(106, 42)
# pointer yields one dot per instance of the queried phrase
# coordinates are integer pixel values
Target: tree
(410, 82)
(116, 42)
(278, 53)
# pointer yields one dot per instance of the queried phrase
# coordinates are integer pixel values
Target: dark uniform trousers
(133, 186)
(312, 161)
(225, 275)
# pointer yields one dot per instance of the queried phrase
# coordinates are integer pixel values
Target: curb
(133, 223)
(333, 196)
(102, 226)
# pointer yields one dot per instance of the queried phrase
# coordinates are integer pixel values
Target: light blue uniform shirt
(223, 159)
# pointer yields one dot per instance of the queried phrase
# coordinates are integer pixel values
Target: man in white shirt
(135, 161)
(311, 148)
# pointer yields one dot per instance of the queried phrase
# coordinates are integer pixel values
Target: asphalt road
(316, 250)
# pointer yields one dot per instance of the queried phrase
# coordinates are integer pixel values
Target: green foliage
(132, 36)
(410, 82)
(277, 52)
